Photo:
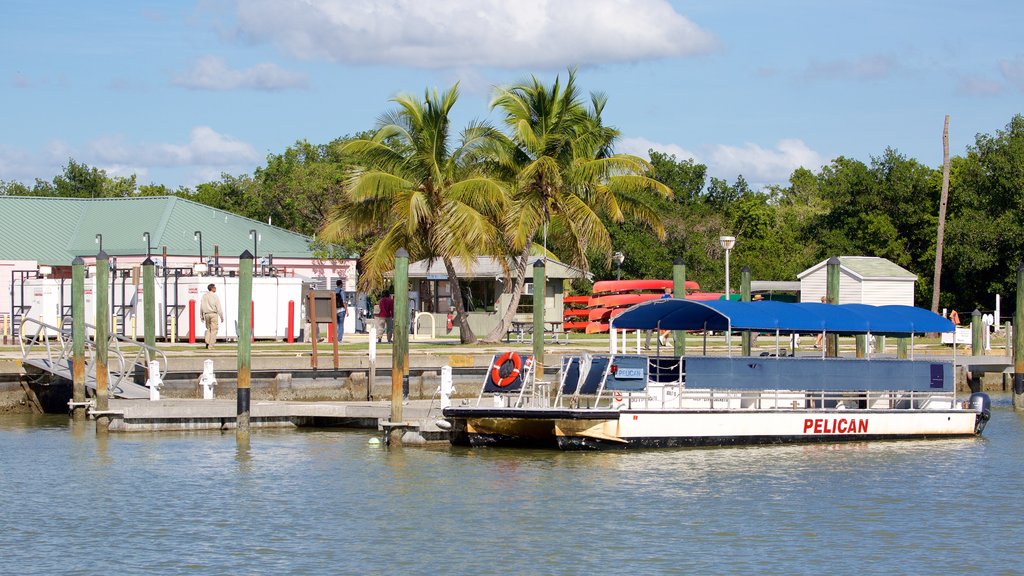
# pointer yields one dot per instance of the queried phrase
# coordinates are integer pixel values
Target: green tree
(559, 155)
(416, 189)
(984, 246)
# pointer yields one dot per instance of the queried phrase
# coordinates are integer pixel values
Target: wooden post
(977, 349)
(244, 346)
(832, 297)
(78, 338)
(102, 339)
(314, 331)
(149, 305)
(539, 293)
(336, 330)
(902, 344)
(1018, 343)
(400, 342)
(862, 345)
(679, 291)
(745, 336)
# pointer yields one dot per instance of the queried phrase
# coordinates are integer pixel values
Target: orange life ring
(517, 365)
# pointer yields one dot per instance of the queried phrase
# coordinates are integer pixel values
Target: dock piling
(149, 304)
(832, 297)
(400, 341)
(539, 292)
(102, 339)
(746, 338)
(245, 265)
(678, 291)
(78, 339)
(1018, 343)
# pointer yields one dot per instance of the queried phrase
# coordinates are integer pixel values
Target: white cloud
(762, 165)
(867, 68)
(977, 86)
(207, 152)
(759, 166)
(472, 33)
(642, 146)
(18, 165)
(1013, 71)
(206, 147)
(213, 73)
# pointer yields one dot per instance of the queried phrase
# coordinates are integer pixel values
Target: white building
(862, 280)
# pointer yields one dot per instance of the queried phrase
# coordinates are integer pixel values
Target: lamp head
(727, 242)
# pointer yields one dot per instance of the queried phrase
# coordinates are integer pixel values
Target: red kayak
(598, 314)
(617, 286)
(619, 300)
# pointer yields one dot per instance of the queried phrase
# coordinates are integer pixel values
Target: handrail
(125, 369)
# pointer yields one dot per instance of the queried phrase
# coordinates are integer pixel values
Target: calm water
(326, 502)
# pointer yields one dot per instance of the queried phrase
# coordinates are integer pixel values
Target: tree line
(548, 178)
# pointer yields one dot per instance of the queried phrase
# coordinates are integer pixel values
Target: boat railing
(675, 396)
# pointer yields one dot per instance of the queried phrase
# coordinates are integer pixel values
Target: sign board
(322, 306)
(963, 336)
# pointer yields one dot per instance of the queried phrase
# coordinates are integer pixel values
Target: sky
(180, 92)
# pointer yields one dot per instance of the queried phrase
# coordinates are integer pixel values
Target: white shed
(862, 280)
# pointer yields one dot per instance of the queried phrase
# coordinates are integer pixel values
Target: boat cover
(784, 317)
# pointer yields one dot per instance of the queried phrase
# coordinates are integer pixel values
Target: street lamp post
(149, 247)
(255, 236)
(727, 242)
(618, 258)
(199, 236)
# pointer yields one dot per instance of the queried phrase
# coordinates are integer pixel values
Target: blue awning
(770, 316)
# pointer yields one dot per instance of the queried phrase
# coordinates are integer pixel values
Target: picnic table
(523, 331)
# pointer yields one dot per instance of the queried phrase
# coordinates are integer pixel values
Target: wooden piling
(400, 341)
(977, 349)
(245, 263)
(539, 293)
(746, 340)
(78, 339)
(149, 305)
(832, 297)
(1018, 343)
(679, 291)
(102, 339)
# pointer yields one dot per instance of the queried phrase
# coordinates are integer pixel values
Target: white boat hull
(600, 429)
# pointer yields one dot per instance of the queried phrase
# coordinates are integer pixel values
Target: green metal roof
(867, 267)
(873, 267)
(55, 230)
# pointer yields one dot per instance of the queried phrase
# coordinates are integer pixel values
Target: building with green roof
(53, 231)
(48, 233)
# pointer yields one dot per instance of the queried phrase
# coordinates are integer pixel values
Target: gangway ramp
(47, 351)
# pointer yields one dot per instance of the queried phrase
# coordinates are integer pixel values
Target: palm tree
(560, 158)
(412, 189)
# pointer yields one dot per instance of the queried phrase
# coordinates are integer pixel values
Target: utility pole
(941, 232)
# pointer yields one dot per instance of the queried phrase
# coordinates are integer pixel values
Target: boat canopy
(783, 317)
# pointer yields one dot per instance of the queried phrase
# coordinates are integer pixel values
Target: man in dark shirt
(387, 313)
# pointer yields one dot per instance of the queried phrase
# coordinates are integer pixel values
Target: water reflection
(326, 501)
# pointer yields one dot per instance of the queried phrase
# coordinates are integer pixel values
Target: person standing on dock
(662, 334)
(213, 314)
(342, 307)
(387, 313)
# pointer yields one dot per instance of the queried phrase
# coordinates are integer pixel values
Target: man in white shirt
(212, 313)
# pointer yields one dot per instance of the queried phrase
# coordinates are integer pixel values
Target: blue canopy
(769, 316)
